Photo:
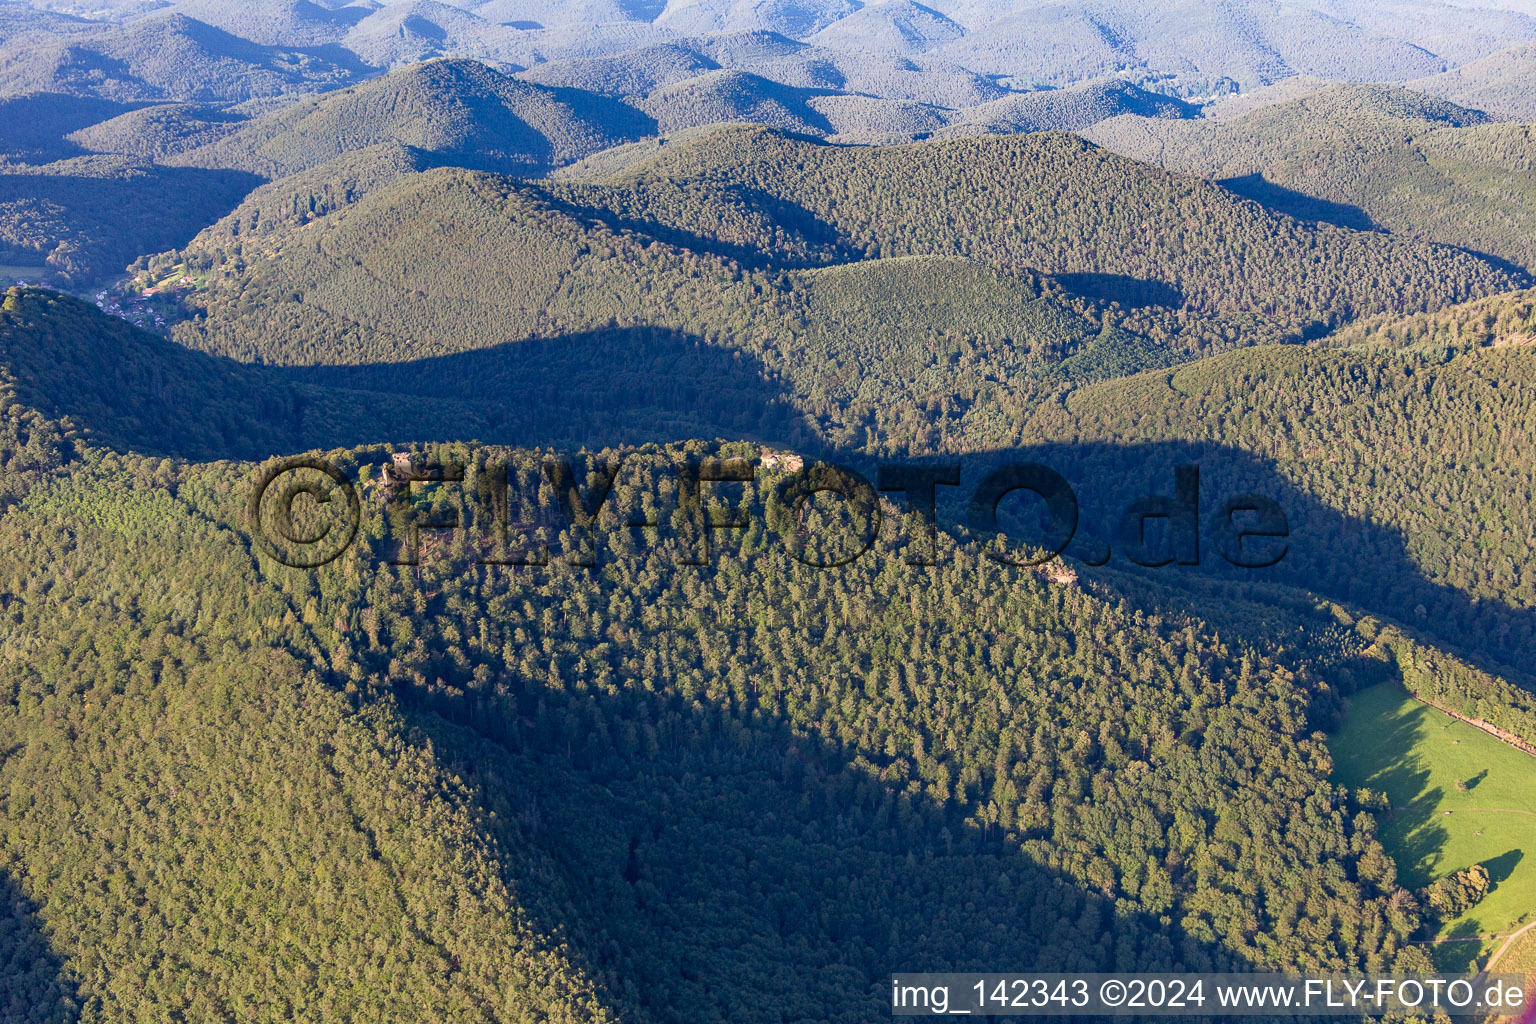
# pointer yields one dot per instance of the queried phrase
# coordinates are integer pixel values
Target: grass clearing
(1520, 958)
(1416, 755)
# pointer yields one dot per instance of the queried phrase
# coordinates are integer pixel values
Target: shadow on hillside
(794, 856)
(616, 387)
(800, 882)
(1348, 559)
(619, 119)
(137, 391)
(33, 982)
(108, 217)
(1298, 204)
(1130, 292)
(636, 385)
(1509, 267)
(820, 242)
(334, 53)
(33, 127)
(279, 59)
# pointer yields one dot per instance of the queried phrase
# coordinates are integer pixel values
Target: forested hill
(1439, 550)
(87, 217)
(1364, 157)
(650, 792)
(1070, 109)
(95, 117)
(460, 111)
(167, 56)
(827, 298)
(1499, 321)
(1056, 204)
(698, 238)
(1503, 84)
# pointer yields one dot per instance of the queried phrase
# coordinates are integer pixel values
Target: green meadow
(1391, 743)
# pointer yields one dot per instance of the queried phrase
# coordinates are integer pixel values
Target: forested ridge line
(1178, 261)
(597, 713)
(636, 716)
(968, 715)
(1370, 157)
(1270, 420)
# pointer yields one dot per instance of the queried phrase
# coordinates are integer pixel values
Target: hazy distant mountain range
(122, 106)
(837, 68)
(207, 49)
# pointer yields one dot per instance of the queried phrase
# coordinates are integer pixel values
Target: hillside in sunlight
(1364, 157)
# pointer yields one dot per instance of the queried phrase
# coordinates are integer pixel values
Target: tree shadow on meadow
(1456, 950)
(1415, 824)
(1502, 866)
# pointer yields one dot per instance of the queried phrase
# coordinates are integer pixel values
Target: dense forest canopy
(498, 708)
(612, 347)
(579, 714)
(1361, 156)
